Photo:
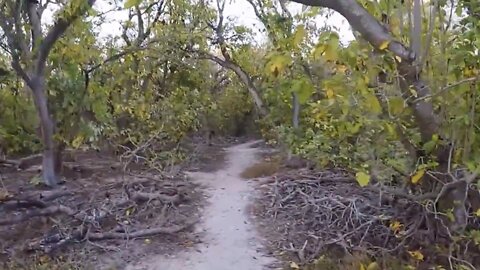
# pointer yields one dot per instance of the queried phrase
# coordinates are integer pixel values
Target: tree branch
(409, 74)
(243, 77)
(363, 22)
(55, 33)
(35, 24)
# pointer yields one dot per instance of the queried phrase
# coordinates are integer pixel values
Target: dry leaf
(384, 45)
(362, 178)
(417, 255)
(396, 226)
(4, 195)
(416, 177)
(373, 266)
(294, 265)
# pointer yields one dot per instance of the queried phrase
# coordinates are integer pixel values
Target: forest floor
(235, 204)
(102, 216)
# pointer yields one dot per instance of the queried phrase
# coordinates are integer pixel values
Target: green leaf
(396, 105)
(299, 35)
(304, 90)
(278, 63)
(429, 146)
(362, 178)
(372, 104)
(131, 3)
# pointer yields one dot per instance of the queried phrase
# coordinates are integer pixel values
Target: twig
(446, 88)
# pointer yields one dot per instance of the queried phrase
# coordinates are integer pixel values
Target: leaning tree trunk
(50, 163)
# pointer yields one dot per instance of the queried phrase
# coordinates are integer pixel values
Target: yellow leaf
(477, 213)
(373, 266)
(330, 53)
(294, 265)
(417, 255)
(362, 267)
(131, 3)
(77, 141)
(399, 59)
(318, 51)
(396, 226)
(362, 178)
(278, 63)
(298, 35)
(450, 215)
(384, 45)
(417, 176)
(330, 93)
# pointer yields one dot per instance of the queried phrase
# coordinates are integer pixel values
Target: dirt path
(230, 240)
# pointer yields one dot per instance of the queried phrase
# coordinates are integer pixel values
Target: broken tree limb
(55, 241)
(49, 211)
(140, 233)
(143, 196)
(23, 163)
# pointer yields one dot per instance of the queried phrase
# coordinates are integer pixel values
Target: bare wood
(140, 233)
(143, 196)
(49, 211)
(416, 42)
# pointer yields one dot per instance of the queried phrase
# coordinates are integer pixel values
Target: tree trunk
(296, 111)
(50, 175)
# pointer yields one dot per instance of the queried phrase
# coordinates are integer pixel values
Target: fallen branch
(82, 234)
(49, 211)
(143, 196)
(140, 233)
(23, 163)
(34, 199)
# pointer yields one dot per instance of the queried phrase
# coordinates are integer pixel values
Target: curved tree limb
(60, 26)
(376, 34)
(244, 77)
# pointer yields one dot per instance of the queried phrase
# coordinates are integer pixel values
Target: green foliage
(126, 91)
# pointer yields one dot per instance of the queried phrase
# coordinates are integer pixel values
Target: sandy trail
(231, 242)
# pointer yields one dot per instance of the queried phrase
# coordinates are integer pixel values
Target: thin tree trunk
(50, 175)
(296, 111)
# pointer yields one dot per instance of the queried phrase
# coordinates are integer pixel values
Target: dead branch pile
(140, 207)
(315, 212)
